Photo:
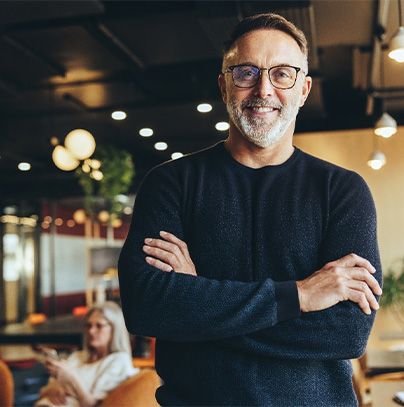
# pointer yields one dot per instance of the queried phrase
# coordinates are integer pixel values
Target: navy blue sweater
(234, 335)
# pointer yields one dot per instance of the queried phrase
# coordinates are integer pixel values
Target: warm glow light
(95, 164)
(48, 219)
(377, 160)
(127, 210)
(386, 126)
(222, 126)
(161, 146)
(80, 143)
(176, 155)
(64, 159)
(103, 216)
(58, 221)
(79, 216)
(24, 166)
(396, 46)
(97, 175)
(204, 107)
(70, 223)
(146, 132)
(117, 223)
(118, 115)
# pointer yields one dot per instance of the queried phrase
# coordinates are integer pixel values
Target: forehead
(264, 47)
(96, 316)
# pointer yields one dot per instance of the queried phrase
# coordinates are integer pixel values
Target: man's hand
(169, 253)
(348, 278)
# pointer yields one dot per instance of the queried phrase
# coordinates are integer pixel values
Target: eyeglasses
(280, 76)
(98, 326)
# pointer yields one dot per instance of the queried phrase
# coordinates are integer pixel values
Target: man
(262, 270)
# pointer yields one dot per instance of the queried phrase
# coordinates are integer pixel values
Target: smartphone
(50, 353)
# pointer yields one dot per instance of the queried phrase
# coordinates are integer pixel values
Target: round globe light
(80, 143)
(103, 216)
(64, 159)
(79, 216)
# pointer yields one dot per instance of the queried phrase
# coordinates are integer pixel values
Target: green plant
(117, 170)
(393, 285)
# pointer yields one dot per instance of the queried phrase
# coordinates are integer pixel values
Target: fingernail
(163, 232)
(148, 240)
(146, 248)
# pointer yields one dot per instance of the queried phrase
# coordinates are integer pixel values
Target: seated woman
(87, 376)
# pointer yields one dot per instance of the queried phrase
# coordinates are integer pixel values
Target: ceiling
(70, 64)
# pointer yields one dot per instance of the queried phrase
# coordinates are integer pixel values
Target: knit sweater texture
(234, 335)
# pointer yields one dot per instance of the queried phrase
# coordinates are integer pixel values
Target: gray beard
(257, 130)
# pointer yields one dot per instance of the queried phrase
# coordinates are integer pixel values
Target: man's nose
(264, 87)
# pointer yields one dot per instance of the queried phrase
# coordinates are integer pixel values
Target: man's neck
(252, 156)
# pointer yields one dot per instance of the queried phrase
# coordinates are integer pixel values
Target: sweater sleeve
(180, 307)
(341, 331)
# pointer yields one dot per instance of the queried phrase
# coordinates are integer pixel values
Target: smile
(259, 109)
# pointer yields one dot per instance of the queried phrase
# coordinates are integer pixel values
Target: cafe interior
(93, 94)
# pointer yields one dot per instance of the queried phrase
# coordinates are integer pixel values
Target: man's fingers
(353, 260)
(162, 254)
(362, 275)
(178, 242)
(159, 264)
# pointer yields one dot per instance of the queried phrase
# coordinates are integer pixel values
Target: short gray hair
(269, 21)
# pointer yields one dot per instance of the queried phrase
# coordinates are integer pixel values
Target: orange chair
(137, 391)
(6, 386)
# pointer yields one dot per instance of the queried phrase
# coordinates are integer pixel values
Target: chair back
(6, 386)
(137, 391)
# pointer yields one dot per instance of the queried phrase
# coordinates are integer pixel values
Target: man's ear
(222, 86)
(308, 81)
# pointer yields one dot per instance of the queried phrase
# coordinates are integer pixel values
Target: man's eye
(246, 73)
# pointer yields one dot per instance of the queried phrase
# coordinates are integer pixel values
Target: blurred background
(138, 80)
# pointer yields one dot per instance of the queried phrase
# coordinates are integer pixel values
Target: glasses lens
(245, 76)
(283, 77)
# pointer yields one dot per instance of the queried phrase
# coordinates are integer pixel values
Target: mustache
(257, 101)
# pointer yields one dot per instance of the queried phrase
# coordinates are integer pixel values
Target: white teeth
(262, 109)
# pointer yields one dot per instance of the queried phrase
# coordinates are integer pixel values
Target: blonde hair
(112, 312)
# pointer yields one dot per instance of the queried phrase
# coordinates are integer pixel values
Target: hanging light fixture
(377, 159)
(396, 45)
(80, 143)
(64, 159)
(386, 126)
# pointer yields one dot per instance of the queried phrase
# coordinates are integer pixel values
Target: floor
(27, 383)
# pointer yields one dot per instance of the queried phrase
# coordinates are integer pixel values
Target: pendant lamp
(396, 45)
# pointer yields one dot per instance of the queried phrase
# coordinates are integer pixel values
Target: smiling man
(254, 264)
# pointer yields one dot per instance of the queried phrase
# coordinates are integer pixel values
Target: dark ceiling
(69, 64)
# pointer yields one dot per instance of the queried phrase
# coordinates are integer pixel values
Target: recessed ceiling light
(222, 126)
(204, 107)
(176, 155)
(24, 166)
(146, 132)
(161, 146)
(118, 115)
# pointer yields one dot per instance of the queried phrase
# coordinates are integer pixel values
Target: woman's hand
(169, 254)
(59, 369)
(55, 392)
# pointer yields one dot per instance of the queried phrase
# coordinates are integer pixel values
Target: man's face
(263, 114)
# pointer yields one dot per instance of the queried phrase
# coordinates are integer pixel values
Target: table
(382, 393)
(65, 329)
